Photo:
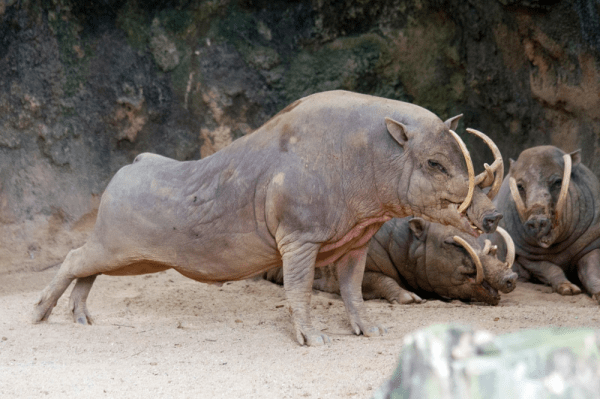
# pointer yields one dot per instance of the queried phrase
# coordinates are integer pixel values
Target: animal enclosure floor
(163, 335)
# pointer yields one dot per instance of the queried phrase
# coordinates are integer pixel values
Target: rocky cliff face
(84, 88)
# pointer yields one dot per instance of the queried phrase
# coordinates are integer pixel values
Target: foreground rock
(449, 361)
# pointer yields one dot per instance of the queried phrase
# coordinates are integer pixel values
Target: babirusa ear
(575, 157)
(418, 226)
(452, 123)
(397, 130)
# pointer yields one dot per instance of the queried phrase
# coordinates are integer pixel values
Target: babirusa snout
(562, 198)
(473, 254)
(538, 225)
(508, 282)
(463, 207)
(490, 221)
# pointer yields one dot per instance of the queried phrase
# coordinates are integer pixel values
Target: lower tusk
(494, 249)
(510, 247)
(471, 251)
(512, 183)
(486, 247)
(562, 198)
(497, 167)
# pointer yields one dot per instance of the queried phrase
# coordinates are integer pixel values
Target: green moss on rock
(175, 20)
(74, 53)
(134, 21)
(181, 75)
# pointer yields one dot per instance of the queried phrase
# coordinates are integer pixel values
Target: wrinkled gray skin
(549, 250)
(410, 255)
(308, 188)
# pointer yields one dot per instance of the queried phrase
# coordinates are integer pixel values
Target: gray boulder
(451, 361)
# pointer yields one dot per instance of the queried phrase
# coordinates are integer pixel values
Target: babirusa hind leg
(77, 303)
(55, 289)
(84, 264)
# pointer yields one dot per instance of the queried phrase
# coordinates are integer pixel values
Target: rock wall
(84, 88)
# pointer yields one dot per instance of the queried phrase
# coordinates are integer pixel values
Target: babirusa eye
(436, 165)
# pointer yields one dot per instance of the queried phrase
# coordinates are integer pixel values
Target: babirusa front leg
(298, 275)
(588, 269)
(377, 285)
(551, 274)
(350, 269)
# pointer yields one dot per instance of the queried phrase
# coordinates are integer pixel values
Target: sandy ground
(164, 335)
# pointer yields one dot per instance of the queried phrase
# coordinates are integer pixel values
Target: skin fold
(308, 188)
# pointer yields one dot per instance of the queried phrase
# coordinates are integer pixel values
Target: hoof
(312, 338)
(568, 288)
(374, 331)
(81, 314)
(84, 320)
(407, 298)
(41, 312)
(39, 317)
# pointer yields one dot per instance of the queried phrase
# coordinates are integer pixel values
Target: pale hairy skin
(308, 188)
(409, 259)
(549, 250)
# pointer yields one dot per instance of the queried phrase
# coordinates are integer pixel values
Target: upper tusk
(494, 249)
(486, 247)
(496, 171)
(463, 207)
(471, 251)
(486, 178)
(512, 183)
(562, 198)
(510, 247)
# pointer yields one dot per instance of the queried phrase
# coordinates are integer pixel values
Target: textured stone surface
(451, 361)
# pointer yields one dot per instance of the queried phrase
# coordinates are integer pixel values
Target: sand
(163, 335)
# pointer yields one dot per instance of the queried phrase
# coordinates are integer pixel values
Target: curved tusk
(486, 178)
(493, 250)
(517, 199)
(471, 251)
(486, 247)
(562, 198)
(510, 247)
(463, 207)
(497, 168)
